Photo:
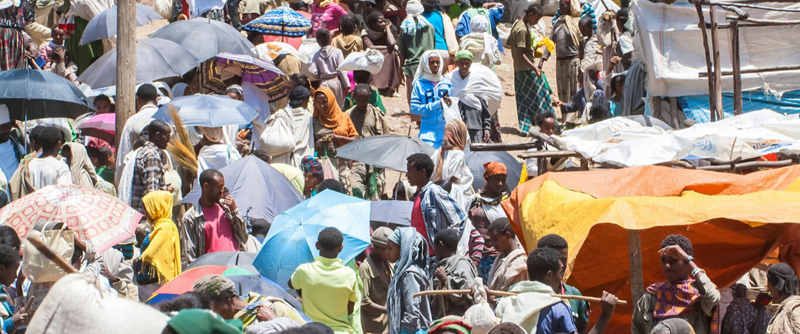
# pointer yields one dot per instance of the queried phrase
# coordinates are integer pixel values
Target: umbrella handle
(48, 253)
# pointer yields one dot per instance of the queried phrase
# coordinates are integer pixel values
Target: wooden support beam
(737, 68)
(478, 147)
(717, 71)
(757, 70)
(750, 164)
(704, 34)
(635, 259)
(549, 154)
(126, 66)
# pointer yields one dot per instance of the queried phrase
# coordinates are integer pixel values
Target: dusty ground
(508, 109)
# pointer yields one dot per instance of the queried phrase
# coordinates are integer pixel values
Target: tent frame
(740, 19)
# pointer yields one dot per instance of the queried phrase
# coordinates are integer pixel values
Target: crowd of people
(459, 268)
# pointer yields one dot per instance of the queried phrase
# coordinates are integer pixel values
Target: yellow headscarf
(164, 251)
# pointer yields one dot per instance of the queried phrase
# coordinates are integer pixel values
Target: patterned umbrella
(282, 21)
(96, 218)
(262, 74)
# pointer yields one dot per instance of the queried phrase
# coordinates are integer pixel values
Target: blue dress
(425, 96)
(435, 19)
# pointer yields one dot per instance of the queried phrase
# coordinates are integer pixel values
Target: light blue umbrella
(293, 235)
(208, 111)
(206, 38)
(282, 21)
(260, 191)
(104, 25)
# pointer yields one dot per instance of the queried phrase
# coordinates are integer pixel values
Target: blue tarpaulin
(696, 107)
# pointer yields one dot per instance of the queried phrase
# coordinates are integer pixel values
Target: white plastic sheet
(625, 142)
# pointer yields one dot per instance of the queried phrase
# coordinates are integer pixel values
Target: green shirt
(578, 308)
(323, 284)
(374, 99)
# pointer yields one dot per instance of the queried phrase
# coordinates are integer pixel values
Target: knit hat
(450, 323)
(214, 287)
(492, 168)
(380, 237)
(463, 54)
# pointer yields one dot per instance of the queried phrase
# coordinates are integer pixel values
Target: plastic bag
(370, 61)
(37, 267)
(480, 315)
(276, 137)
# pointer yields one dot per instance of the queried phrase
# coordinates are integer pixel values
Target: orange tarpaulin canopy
(733, 221)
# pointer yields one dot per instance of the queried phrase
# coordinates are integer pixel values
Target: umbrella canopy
(475, 161)
(293, 235)
(32, 94)
(185, 281)
(389, 151)
(261, 192)
(239, 259)
(155, 59)
(282, 21)
(733, 221)
(205, 38)
(208, 110)
(104, 25)
(101, 126)
(264, 75)
(97, 218)
(391, 212)
(266, 287)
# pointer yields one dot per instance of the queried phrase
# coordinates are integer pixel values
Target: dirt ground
(402, 125)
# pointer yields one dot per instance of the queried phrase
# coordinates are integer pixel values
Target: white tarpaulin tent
(670, 42)
(622, 141)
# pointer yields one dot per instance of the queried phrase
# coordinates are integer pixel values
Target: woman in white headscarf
(428, 89)
(481, 43)
(212, 152)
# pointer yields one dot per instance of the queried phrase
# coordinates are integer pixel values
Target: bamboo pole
(704, 34)
(717, 71)
(737, 68)
(126, 66)
(507, 294)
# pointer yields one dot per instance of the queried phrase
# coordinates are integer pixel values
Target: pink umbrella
(102, 126)
(97, 218)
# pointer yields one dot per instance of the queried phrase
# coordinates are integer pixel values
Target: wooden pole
(126, 65)
(635, 249)
(507, 294)
(717, 71)
(737, 68)
(48, 253)
(704, 34)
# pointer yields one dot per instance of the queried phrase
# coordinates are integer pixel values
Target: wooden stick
(737, 68)
(48, 253)
(507, 294)
(718, 112)
(704, 31)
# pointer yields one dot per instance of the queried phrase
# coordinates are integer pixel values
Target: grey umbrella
(155, 59)
(475, 161)
(206, 38)
(384, 151)
(104, 25)
(31, 94)
(391, 212)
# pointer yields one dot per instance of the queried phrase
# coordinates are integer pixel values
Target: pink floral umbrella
(98, 219)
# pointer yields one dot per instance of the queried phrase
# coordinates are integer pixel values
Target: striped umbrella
(282, 21)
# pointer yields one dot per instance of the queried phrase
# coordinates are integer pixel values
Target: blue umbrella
(32, 94)
(292, 238)
(208, 111)
(104, 25)
(282, 21)
(155, 59)
(260, 191)
(206, 38)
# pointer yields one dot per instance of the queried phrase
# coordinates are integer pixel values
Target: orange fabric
(729, 237)
(334, 118)
(494, 168)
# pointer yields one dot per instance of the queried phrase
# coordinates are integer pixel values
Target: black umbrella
(205, 38)
(475, 161)
(390, 151)
(32, 94)
(229, 259)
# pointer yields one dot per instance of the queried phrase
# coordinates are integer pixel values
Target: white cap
(5, 115)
